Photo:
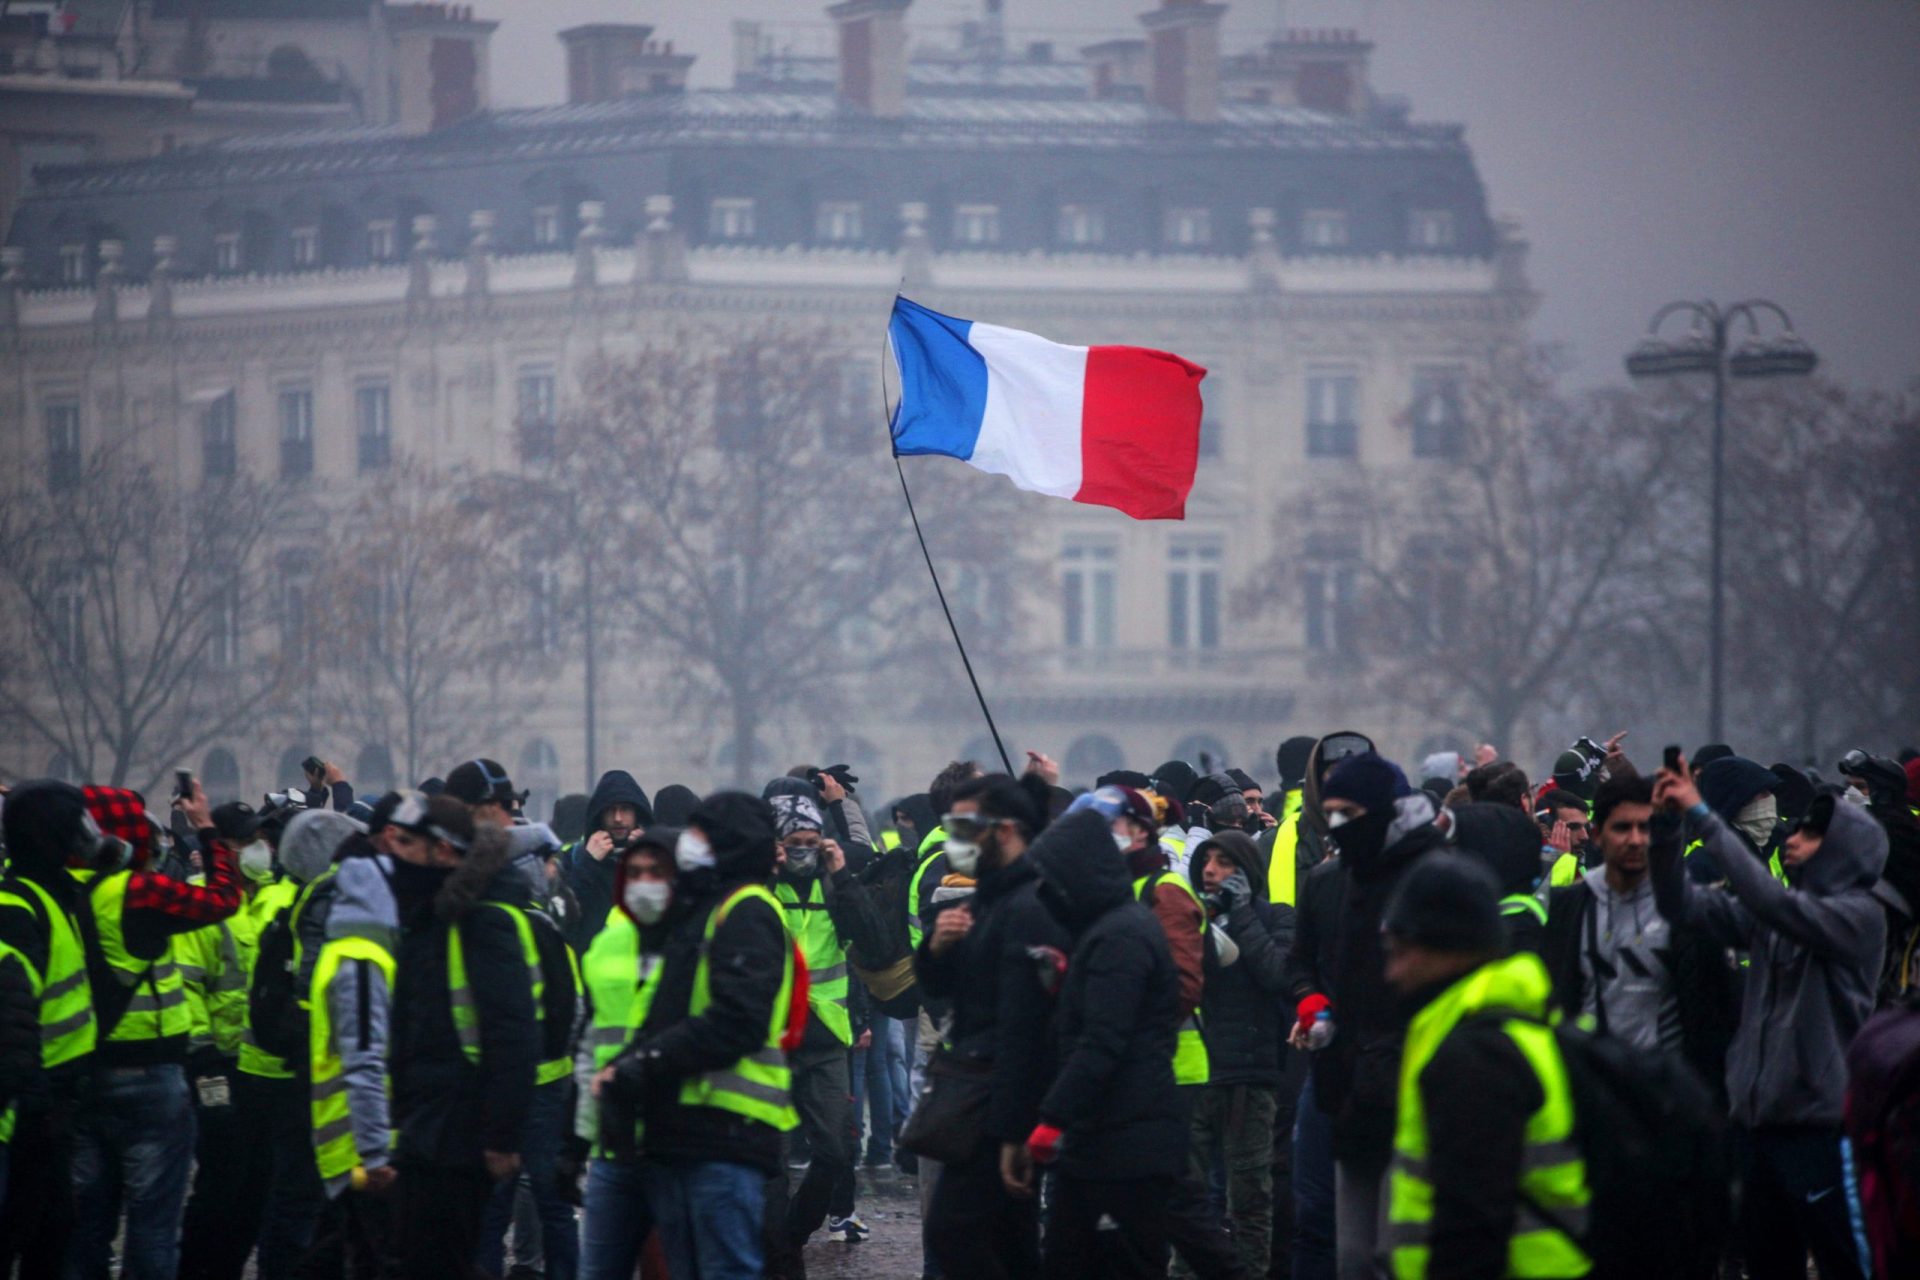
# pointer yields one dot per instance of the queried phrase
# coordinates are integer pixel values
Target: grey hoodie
(1815, 951)
(357, 1002)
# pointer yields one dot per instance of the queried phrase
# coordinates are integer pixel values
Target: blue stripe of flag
(943, 383)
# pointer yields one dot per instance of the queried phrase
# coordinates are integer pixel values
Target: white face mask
(1337, 819)
(963, 856)
(691, 852)
(1123, 843)
(256, 861)
(1756, 819)
(647, 899)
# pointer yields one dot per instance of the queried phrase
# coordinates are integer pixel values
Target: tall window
(1081, 224)
(1089, 577)
(217, 447)
(837, 221)
(306, 246)
(226, 252)
(535, 410)
(1329, 592)
(223, 621)
(373, 425)
(70, 622)
(976, 224)
(62, 418)
(546, 226)
(1439, 427)
(1333, 401)
(380, 240)
(296, 432)
(1189, 227)
(1324, 228)
(293, 581)
(731, 218)
(73, 264)
(1193, 595)
(1430, 228)
(543, 608)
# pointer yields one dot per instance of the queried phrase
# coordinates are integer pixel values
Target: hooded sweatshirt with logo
(1815, 947)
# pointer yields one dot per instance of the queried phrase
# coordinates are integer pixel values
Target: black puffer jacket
(449, 1110)
(1114, 1095)
(1337, 953)
(1243, 1009)
(746, 961)
(19, 1031)
(592, 880)
(1000, 1013)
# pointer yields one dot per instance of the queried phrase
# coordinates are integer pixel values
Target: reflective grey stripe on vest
(327, 1089)
(66, 1026)
(337, 1129)
(832, 973)
(54, 990)
(193, 973)
(1568, 1220)
(1545, 1155)
(609, 1035)
(147, 1002)
(1191, 1024)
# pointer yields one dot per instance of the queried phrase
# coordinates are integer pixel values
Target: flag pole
(933, 573)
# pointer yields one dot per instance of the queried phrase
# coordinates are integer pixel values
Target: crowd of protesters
(1442, 1025)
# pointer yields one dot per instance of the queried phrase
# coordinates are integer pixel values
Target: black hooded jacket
(1000, 1012)
(1507, 842)
(447, 1110)
(592, 880)
(1114, 1095)
(1242, 1010)
(746, 961)
(40, 816)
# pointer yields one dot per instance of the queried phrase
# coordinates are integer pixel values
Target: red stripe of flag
(1140, 431)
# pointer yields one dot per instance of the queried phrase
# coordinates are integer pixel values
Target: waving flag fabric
(1114, 426)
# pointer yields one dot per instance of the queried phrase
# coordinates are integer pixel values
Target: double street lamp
(1704, 348)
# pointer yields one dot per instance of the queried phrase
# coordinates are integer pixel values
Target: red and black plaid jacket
(156, 905)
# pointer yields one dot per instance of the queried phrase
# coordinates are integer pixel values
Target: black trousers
(36, 1221)
(976, 1229)
(1799, 1196)
(436, 1220)
(1293, 1078)
(1107, 1230)
(232, 1166)
(1194, 1226)
(354, 1241)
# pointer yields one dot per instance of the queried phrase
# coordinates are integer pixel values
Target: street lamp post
(1704, 350)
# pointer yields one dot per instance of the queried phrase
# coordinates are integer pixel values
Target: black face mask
(413, 882)
(1362, 838)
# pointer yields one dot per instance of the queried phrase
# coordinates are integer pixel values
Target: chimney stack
(873, 55)
(1183, 38)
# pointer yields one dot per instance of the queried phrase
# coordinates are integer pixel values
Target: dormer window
(73, 264)
(1189, 228)
(977, 224)
(1324, 228)
(546, 226)
(1430, 229)
(1081, 224)
(380, 240)
(226, 252)
(306, 246)
(838, 221)
(731, 218)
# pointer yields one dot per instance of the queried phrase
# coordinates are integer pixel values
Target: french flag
(1114, 426)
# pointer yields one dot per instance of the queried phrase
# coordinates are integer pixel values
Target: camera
(1590, 749)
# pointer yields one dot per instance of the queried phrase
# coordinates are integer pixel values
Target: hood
(1310, 810)
(122, 814)
(43, 821)
(1728, 783)
(657, 837)
(363, 905)
(1503, 839)
(673, 804)
(616, 786)
(1852, 854)
(1246, 852)
(1083, 874)
(1444, 765)
(918, 807)
(312, 838)
(740, 829)
(1410, 813)
(486, 873)
(528, 848)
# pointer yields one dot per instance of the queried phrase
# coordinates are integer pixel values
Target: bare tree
(1494, 578)
(424, 645)
(134, 616)
(746, 522)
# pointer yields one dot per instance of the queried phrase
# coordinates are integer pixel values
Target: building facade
(321, 303)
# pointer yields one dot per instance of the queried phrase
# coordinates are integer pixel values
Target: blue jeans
(540, 1145)
(898, 1055)
(1313, 1251)
(133, 1144)
(873, 1093)
(710, 1214)
(618, 1221)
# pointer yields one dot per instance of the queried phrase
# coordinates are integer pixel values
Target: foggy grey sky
(1654, 148)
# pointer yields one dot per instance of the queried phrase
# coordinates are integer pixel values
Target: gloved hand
(1108, 801)
(1051, 963)
(1043, 1144)
(1236, 891)
(1308, 1010)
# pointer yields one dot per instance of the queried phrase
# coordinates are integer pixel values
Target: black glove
(843, 774)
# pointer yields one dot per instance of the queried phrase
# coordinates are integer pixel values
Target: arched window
(220, 776)
(1090, 756)
(1206, 753)
(288, 772)
(539, 773)
(372, 770)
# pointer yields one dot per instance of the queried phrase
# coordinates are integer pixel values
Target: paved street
(892, 1211)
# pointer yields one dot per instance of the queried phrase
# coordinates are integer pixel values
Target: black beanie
(43, 822)
(1175, 780)
(1448, 903)
(1292, 759)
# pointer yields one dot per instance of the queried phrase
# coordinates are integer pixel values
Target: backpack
(888, 974)
(283, 972)
(1654, 1143)
(1883, 1120)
